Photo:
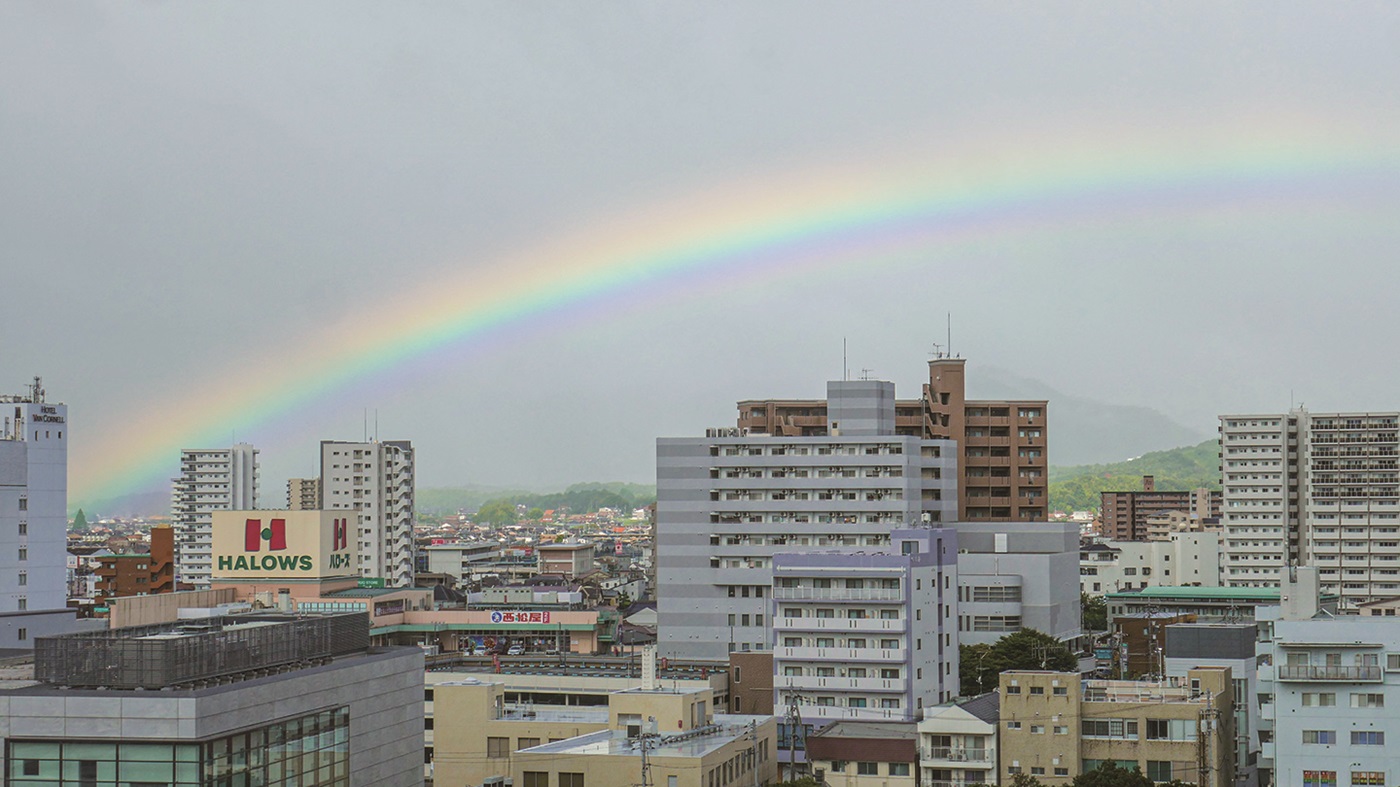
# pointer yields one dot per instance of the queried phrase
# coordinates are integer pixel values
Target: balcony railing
(955, 754)
(1369, 674)
(839, 594)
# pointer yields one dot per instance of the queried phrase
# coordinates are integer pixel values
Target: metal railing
(955, 754)
(1308, 673)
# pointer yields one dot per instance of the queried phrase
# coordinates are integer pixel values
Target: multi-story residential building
(1184, 558)
(303, 494)
(264, 699)
(866, 637)
(1001, 444)
(464, 561)
(1055, 726)
(211, 479)
(33, 519)
(374, 479)
(1317, 489)
(139, 573)
(865, 754)
(1223, 603)
(569, 559)
(1123, 515)
(958, 742)
(728, 502)
(1262, 471)
(1015, 575)
(1232, 645)
(1330, 685)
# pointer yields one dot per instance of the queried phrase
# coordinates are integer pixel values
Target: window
(1367, 778)
(1367, 700)
(826, 613)
(1109, 728)
(855, 702)
(497, 747)
(1171, 730)
(1013, 689)
(1013, 725)
(1367, 738)
(1319, 779)
(24, 553)
(826, 702)
(867, 769)
(23, 634)
(570, 779)
(1037, 729)
(1062, 771)
(1326, 737)
(525, 743)
(1159, 770)
(902, 769)
(24, 528)
(1318, 700)
(536, 779)
(1037, 690)
(1061, 729)
(24, 577)
(889, 674)
(1059, 691)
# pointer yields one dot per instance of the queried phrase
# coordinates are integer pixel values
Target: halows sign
(260, 545)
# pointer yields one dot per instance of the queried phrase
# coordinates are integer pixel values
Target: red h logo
(340, 537)
(275, 534)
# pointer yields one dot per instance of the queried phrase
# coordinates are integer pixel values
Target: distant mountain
(1085, 431)
(1077, 488)
(585, 496)
(139, 504)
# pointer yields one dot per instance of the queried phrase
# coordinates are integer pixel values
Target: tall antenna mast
(950, 334)
(845, 365)
(365, 426)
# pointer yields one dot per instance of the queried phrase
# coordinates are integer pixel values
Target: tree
(803, 781)
(1109, 774)
(1024, 780)
(535, 514)
(496, 512)
(1027, 649)
(1093, 612)
(80, 522)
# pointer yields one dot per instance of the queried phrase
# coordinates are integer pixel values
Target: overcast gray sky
(188, 185)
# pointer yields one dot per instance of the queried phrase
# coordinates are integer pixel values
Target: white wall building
(1333, 684)
(1183, 558)
(958, 743)
(1318, 489)
(376, 480)
(466, 561)
(1015, 575)
(211, 479)
(867, 637)
(33, 519)
(729, 502)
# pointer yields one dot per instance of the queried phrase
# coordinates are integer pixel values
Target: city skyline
(476, 221)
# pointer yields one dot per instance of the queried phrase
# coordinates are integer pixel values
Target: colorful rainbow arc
(825, 220)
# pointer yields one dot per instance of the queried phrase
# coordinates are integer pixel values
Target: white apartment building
(374, 479)
(958, 743)
(33, 519)
(867, 637)
(1331, 686)
(1261, 509)
(729, 502)
(211, 479)
(1319, 489)
(1183, 558)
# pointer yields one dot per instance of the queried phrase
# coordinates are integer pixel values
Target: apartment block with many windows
(867, 637)
(1001, 444)
(376, 480)
(727, 503)
(211, 479)
(1262, 472)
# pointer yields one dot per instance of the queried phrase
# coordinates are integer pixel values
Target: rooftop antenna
(376, 424)
(845, 365)
(937, 351)
(865, 373)
(365, 425)
(36, 391)
(950, 334)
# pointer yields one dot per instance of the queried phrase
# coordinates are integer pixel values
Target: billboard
(263, 545)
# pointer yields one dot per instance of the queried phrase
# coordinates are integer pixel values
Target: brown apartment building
(1124, 515)
(1001, 443)
(139, 573)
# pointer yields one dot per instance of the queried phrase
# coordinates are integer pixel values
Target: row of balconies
(808, 653)
(813, 683)
(803, 593)
(837, 625)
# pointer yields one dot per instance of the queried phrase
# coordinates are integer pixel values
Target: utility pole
(795, 733)
(753, 751)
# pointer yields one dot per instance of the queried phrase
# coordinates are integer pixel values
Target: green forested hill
(1077, 487)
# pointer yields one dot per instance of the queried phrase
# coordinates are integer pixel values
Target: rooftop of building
(192, 653)
(1157, 591)
(880, 730)
(358, 592)
(695, 743)
(986, 707)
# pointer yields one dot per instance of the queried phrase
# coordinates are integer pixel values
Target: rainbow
(818, 220)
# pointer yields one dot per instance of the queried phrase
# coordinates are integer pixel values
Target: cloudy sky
(206, 208)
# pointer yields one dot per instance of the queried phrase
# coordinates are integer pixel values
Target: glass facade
(308, 751)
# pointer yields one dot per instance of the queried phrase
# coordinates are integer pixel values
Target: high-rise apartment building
(1001, 444)
(1317, 489)
(1124, 515)
(375, 479)
(728, 502)
(303, 494)
(211, 479)
(33, 519)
